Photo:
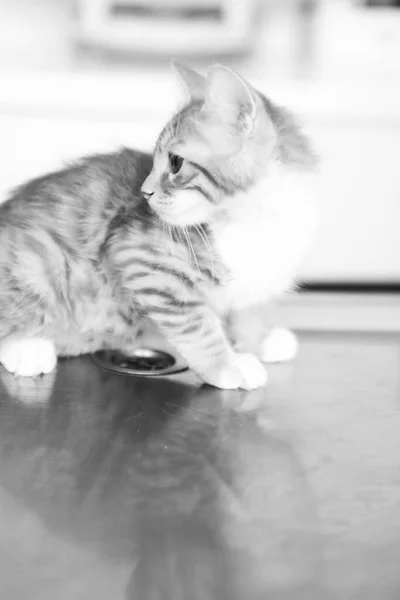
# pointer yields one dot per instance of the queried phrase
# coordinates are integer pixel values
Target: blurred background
(81, 76)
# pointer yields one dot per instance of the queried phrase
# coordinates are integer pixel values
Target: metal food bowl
(142, 362)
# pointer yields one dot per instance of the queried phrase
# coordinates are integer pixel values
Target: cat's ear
(231, 99)
(194, 84)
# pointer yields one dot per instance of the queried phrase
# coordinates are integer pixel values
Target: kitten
(214, 222)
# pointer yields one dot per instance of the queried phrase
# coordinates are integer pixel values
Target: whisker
(178, 233)
(171, 238)
(165, 232)
(190, 247)
(207, 244)
(186, 238)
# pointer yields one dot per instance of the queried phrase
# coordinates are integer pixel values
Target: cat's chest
(260, 245)
(253, 263)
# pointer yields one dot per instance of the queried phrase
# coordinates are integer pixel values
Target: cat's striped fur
(87, 252)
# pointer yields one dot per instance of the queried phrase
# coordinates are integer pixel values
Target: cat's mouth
(169, 212)
(166, 214)
(179, 219)
(190, 210)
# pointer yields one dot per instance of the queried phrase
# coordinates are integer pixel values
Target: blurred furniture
(200, 27)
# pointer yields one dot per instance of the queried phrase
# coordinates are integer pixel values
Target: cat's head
(218, 144)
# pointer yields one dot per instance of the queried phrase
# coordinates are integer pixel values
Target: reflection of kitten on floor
(214, 222)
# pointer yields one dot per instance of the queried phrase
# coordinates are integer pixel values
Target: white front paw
(281, 345)
(243, 371)
(252, 372)
(28, 357)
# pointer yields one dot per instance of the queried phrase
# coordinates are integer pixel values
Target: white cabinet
(359, 231)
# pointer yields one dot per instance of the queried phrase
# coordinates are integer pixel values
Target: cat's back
(77, 204)
(88, 185)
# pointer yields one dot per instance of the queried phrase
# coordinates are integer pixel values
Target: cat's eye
(175, 162)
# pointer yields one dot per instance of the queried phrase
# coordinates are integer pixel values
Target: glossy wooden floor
(115, 487)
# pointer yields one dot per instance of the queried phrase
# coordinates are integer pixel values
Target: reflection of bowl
(168, 26)
(145, 362)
